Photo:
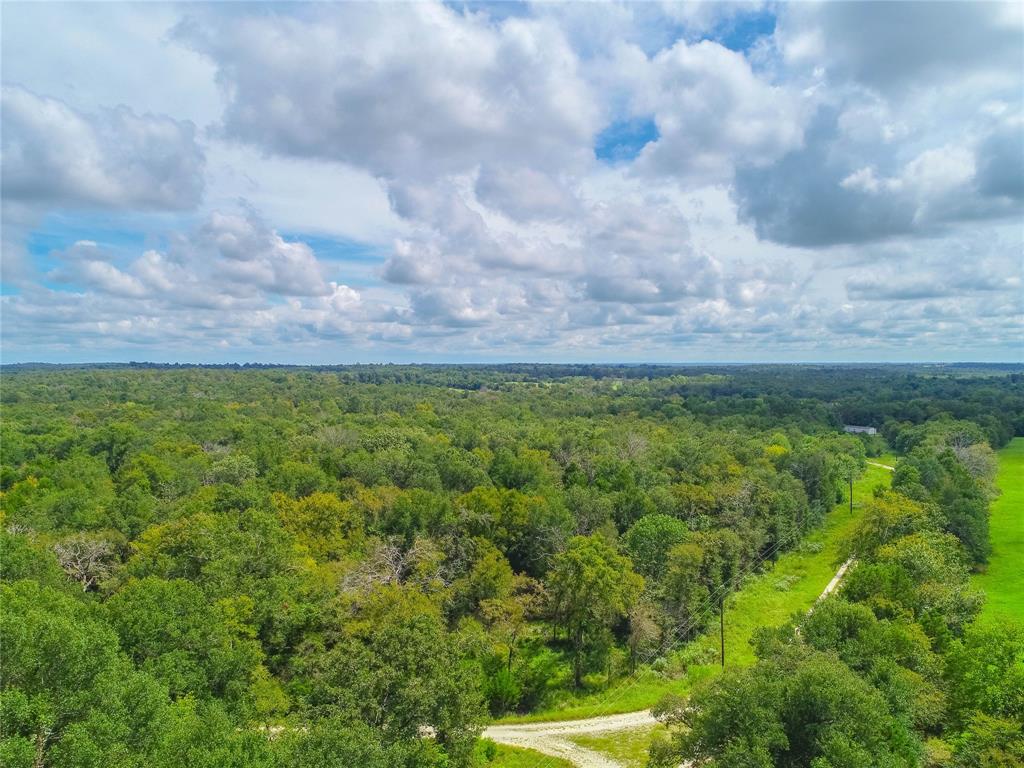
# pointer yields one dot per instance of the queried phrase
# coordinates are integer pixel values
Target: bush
(786, 582)
(502, 691)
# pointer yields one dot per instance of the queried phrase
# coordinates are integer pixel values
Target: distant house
(854, 429)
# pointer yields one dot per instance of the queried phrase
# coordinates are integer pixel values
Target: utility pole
(851, 492)
(721, 623)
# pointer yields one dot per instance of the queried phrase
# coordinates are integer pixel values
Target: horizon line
(464, 364)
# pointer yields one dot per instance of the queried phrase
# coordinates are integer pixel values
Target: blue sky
(492, 182)
(623, 140)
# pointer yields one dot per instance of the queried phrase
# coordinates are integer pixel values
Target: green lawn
(765, 600)
(1003, 580)
(640, 691)
(626, 747)
(517, 757)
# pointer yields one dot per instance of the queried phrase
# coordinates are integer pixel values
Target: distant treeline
(888, 397)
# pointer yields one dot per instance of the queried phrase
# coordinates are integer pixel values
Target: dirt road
(553, 738)
(883, 466)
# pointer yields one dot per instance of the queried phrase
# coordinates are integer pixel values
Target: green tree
(23, 557)
(489, 578)
(68, 697)
(341, 741)
(649, 540)
(591, 586)
(800, 710)
(684, 589)
(327, 526)
(397, 668)
(985, 674)
(171, 631)
(233, 469)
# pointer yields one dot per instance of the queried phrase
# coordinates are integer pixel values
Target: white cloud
(252, 253)
(899, 46)
(940, 169)
(301, 194)
(54, 155)
(411, 94)
(865, 180)
(232, 261)
(85, 265)
(525, 194)
(90, 54)
(713, 112)
(838, 189)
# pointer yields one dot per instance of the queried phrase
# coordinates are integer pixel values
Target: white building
(854, 429)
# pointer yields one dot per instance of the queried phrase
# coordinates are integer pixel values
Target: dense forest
(272, 566)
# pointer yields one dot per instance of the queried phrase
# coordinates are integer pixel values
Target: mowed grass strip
(1003, 580)
(626, 747)
(769, 599)
(629, 694)
(518, 757)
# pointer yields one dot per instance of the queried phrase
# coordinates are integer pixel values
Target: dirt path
(883, 466)
(831, 586)
(553, 738)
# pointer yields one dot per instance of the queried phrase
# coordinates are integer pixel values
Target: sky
(660, 182)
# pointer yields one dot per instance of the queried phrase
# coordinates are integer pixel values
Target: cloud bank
(423, 181)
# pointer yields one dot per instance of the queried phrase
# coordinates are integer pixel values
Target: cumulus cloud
(453, 307)
(1000, 162)
(664, 281)
(895, 46)
(713, 112)
(525, 194)
(979, 267)
(416, 93)
(191, 296)
(54, 155)
(455, 232)
(252, 253)
(838, 188)
(84, 264)
(917, 125)
(413, 263)
(233, 261)
(893, 287)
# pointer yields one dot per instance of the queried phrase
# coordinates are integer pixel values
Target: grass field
(640, 691)
(626, 747)
(1003, 580)
(768, 599)
(516, 757)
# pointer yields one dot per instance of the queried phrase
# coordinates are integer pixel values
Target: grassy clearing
(1003, 580)
(768, 599)
(640, 691)
(517, 757)
(626, 747)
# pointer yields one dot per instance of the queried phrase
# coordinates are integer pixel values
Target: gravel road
(553, 738)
